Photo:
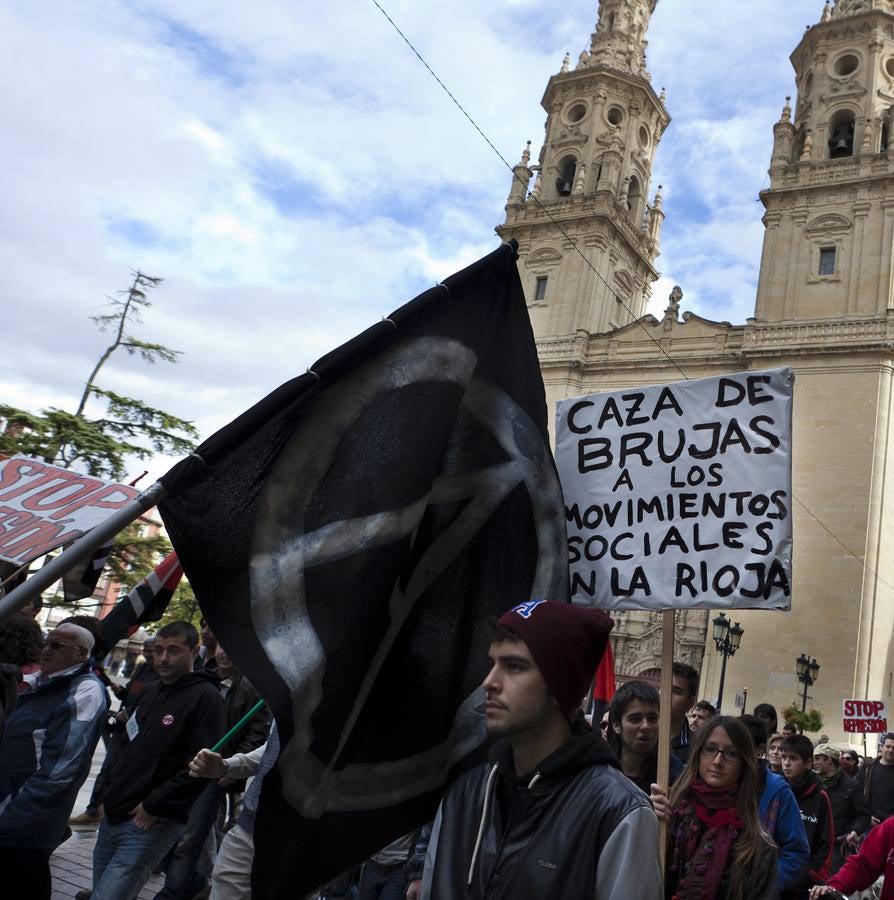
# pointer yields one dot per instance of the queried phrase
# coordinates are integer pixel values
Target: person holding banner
(553, 818)
(717, 848)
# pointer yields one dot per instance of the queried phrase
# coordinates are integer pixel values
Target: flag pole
(258, 706)
(82, 548)
(664, 718)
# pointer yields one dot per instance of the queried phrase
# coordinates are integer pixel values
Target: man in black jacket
(849, 811)
(878, 782)
(553, 817)
(816, 814)
(189, 870)
(149, 792)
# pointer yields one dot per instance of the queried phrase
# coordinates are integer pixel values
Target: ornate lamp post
(726, 639)
(808, 672)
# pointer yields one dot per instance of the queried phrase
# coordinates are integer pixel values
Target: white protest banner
(679, 495)
(43, 507)
(865, 716)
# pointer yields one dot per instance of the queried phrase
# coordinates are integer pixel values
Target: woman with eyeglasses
(717, 849)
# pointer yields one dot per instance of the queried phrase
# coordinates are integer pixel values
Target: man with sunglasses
(46, 753)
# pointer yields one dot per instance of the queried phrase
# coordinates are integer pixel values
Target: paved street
(72, 863)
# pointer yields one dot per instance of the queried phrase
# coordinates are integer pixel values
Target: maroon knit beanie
(567, 643)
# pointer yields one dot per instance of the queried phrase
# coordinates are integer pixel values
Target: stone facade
(824, 306)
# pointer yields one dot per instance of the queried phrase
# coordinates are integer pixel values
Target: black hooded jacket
(175, 722)
(575, 828)
(816, 814)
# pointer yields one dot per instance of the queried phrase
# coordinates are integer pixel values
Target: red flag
(604, 686)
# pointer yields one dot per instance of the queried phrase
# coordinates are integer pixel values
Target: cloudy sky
(294, 173)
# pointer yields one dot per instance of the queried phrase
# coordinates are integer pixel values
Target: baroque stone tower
(604, 122)
(824, 306)
(590, 186)
(830, 219)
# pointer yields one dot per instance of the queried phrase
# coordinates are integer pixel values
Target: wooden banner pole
(664, 721)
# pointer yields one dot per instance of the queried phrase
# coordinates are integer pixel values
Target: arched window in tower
(798, 143)
(634, 199)
(565, 181)
(841, 134)
(598, 172)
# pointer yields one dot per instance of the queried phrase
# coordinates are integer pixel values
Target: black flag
(350, 537)
(81, 581)
(146, 602)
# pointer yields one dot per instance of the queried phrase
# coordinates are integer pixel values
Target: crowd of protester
(564, 809)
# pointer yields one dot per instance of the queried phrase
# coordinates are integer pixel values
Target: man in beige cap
(849, 811)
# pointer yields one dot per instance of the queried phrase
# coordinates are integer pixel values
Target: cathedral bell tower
(604, 122)
(830, 206)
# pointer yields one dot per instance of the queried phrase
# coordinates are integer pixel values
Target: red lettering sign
(43, 506)
(865, 716)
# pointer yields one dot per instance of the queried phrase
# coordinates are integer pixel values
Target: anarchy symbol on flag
(285, 550)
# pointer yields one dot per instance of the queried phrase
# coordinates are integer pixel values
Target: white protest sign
(679, 495)
(43, 507)
(865, 716)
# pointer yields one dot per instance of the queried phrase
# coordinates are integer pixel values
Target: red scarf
(705, 826)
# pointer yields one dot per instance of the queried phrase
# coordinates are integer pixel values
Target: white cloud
(296, 177)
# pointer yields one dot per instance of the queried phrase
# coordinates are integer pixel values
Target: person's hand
(823, 890)
(853, 839)
(207, 764)
(121, 716)
(414, 889)
(141, 818)
(660, 803)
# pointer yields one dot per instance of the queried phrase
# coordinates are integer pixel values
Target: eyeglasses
(53, 644)
(729, 754)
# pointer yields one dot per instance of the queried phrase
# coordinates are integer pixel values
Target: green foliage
(183, 606)
(134, 555)
(106, 444)
(129, 428)
(810, 721)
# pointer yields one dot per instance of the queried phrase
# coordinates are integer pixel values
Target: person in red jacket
(863, 869)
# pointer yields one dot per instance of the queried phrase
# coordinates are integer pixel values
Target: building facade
(588, 243)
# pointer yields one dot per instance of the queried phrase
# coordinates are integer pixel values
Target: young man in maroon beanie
(552, 816)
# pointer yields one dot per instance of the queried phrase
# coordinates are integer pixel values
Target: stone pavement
(72, 864)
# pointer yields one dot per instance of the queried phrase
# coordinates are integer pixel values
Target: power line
(536, 199)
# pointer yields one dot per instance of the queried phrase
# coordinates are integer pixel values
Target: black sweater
(175, 722)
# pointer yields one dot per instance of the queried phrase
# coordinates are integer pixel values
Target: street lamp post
(808, 672)
(726, 639)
